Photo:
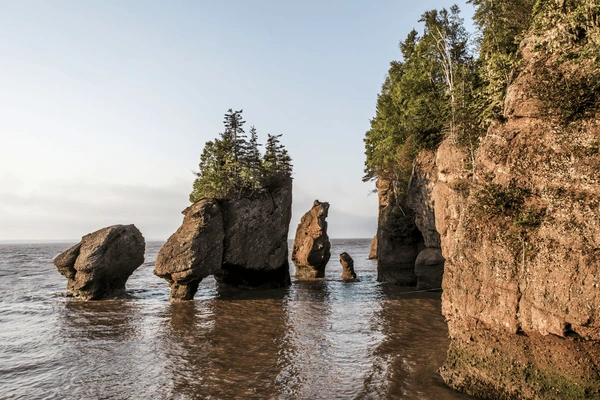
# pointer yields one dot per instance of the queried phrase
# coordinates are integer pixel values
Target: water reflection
(102, 351)
(228, 347)
(409, 355)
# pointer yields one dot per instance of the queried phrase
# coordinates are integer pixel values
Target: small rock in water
(101, 263)
(347, 267)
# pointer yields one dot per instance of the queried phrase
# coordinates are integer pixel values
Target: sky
(105, 105)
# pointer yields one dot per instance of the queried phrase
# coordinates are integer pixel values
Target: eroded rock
(521, 282)
(255, 246)
(194, 252)
(99, 265)
(242, 242)
(398, 239)
(373, 249)
(347, 267)
(311, 250)
(429, 264)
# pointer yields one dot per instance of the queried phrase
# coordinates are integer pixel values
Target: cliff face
(407, 243)
(522, 246)
(398, 240)
(429, 264)
(242, 242)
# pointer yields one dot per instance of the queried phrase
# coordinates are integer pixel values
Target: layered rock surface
(242, 242)
(311, 250)
(99, 265)
(521, 240)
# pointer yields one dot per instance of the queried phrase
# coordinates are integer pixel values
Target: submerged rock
(99, 265)
(373, 249)
(194, 252)
(347, 266)
(242, 242)
(311, 250)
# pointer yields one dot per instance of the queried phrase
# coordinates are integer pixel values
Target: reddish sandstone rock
(311, 250)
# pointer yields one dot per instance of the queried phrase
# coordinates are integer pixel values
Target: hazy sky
(105, 105)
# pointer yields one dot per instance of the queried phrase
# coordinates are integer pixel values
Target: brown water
(314, 340)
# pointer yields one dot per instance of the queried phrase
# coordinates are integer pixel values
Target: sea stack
(347, 262)
(99, 265)
(241, 241)
(311, 250)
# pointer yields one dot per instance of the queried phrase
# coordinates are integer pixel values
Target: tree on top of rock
(276, 161)
(232, 166)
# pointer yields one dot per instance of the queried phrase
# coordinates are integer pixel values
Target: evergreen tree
(251, 161)
(423, 98)
(231, 166)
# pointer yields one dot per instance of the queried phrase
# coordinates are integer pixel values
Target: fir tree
(231, 166)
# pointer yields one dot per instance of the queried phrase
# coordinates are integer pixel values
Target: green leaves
(421, 98)
(232, 165)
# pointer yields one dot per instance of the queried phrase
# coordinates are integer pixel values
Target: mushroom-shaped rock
(99, 265)
(311, 250)
(347, 267)
(194, 252)
(373, 249)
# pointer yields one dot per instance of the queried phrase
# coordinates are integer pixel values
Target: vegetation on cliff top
(453, 84)
(232, 166)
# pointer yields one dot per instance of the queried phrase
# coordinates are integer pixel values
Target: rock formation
(99, 265)
(255, 248)
(429, 264)
(194, 252)
(311, 250)
(347, 267)
(521, 238)
(398, 239)
(242, 242)
(373, 249)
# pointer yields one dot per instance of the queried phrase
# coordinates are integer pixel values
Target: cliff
(521, 238)
(398, 239)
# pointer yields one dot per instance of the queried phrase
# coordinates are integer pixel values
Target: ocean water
(321, 339)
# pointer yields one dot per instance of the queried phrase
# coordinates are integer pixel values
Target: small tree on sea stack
(232, 166)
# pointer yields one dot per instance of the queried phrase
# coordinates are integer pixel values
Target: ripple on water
(319, 339)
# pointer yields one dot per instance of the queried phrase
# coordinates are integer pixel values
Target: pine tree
(231, 166)
(251, 162)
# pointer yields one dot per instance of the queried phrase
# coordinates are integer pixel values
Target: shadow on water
(413, 347)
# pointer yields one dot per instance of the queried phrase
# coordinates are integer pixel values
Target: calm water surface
(322, 339)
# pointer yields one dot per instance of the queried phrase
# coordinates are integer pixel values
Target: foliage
(232, 165)
(570, 31)
(498, 200)
(423, 97)
(502, 24)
